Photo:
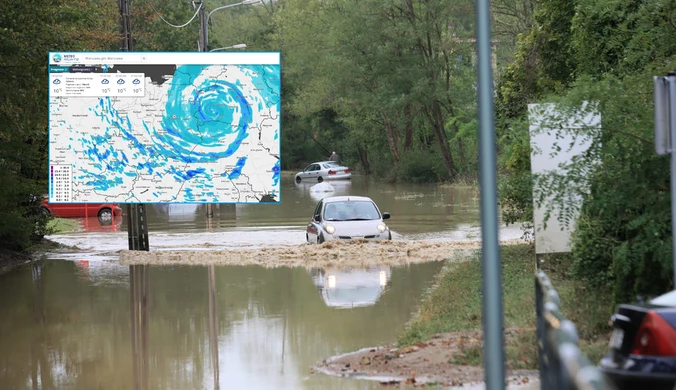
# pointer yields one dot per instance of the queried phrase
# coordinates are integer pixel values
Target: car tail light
(655, 337)
(347, 171)
(332, 172)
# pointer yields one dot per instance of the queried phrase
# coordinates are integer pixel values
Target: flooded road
(99, 325)
(419, 212)
(83, 320)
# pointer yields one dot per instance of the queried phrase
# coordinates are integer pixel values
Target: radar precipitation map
(164, 127)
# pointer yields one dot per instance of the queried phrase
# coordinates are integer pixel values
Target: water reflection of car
(103, 272)
(323, 170)
(340, 187)
(643, 345)
(104, 211)
(351, 287)
(347, 218)
(322, 190)
(97, 225)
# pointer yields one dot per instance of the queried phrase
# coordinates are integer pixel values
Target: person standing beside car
(334, 157)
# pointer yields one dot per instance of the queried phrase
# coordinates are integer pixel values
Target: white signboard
(554, 141)
(164, 127)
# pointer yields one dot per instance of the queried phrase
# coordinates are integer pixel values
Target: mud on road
(339, 254)
(431, 362)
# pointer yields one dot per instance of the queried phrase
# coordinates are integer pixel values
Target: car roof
(668, 299)
(332, 199)
(325, 162)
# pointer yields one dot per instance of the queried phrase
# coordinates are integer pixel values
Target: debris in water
(337, 254)
(322, 187)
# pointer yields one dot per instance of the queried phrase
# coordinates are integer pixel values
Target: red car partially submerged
(104, 211)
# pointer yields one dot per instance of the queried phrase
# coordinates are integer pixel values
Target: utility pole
(137, 225)
(126, 43)
(203, 27)
(202, 47)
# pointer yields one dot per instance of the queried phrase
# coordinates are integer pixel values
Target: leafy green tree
(542, 64)
(28, 31)
(394, 77)
(151, 33)
(607, 53)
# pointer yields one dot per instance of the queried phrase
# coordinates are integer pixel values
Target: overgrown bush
(623, 233)
(419, 166)
(605, 52)
(516, 200)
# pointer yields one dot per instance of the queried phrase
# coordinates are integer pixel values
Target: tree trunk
(437, 122)
(461, 152)
(391, 138)
(408, 117)
(363, 155)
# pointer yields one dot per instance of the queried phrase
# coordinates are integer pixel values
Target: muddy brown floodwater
(101, 325)
(234, 301)
(420, 213)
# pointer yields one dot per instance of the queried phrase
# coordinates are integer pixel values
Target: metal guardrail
(562, 364)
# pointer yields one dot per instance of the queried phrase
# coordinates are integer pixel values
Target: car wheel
(320, 179)
(320, 238)
(105, 214)
(298, 179)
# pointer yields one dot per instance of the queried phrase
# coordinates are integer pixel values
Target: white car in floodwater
(323, 170)
(347, 218)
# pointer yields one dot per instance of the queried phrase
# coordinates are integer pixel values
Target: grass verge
(62, 225)
(455, 305)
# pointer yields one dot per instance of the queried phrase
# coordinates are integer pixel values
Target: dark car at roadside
(642, 350)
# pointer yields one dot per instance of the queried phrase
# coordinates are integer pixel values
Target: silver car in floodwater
(323, 170)
(347, 218)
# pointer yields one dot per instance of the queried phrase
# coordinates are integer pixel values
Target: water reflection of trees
(312, 330)
(269, 322)
(160, 332)
(57, 333)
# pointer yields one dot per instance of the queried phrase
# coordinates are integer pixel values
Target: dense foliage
(607, 53)
(28, 31)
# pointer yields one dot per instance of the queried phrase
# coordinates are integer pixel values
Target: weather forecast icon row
(97, 84)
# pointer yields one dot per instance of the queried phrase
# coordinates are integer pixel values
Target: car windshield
(351, 211)
(331, 165)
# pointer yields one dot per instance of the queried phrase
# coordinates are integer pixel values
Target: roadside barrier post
(562, 364)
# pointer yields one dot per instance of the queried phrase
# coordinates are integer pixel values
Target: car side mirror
(386, 215)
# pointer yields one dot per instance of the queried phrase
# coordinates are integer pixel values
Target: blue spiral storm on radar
(204, 119)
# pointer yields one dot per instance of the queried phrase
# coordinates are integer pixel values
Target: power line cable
(173, 25)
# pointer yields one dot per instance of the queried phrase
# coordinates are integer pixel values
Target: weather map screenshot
(164, 127)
